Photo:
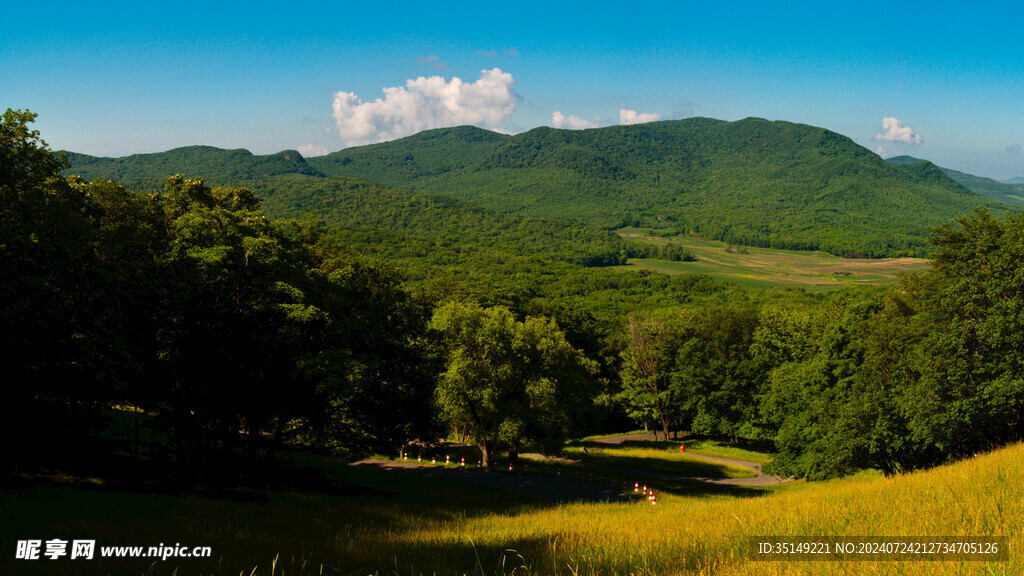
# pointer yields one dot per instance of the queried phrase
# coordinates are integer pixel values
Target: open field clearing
(660, 461)
(761, 267)
(358, 520)
(700, 446)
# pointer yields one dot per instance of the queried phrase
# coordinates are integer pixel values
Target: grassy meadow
(362, 520)
(764, 267)
(657, 459)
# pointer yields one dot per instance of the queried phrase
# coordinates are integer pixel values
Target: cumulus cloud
(627, 116)
(311, 150)
(895, 131)
(559, 120)
(425, 103)
(1014, 149)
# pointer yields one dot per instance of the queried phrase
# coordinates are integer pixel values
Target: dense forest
(402, 315)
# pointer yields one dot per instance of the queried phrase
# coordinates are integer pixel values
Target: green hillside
(215, 164)
(1011, 193)
(401, 163)
(445, 221)
(755, 182)
(752, 182)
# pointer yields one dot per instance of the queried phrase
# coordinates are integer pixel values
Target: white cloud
(311, 150)
(895, 131)
(559, 120)
(425, 103)
(627, 116)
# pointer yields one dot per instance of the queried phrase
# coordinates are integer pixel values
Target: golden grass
(377, 522)
(980, 497)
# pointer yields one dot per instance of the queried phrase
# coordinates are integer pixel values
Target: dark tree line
(235, 333)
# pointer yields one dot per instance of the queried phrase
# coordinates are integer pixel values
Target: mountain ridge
(765, 183)
(1001, 191)
(756, 182)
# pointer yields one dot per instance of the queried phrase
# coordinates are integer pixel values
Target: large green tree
(510, 382)
(646, 366)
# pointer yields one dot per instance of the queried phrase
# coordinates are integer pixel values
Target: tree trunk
(135, 424)
(513, 454)
(485, 453)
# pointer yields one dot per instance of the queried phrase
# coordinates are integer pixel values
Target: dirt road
(558, 488)
(761, 479)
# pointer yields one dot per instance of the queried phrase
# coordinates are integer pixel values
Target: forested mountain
(401, 163)
(214, 164)
(1011, 193)
(753, 182)
(352, 203)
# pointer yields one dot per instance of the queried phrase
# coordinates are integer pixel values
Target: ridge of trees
(1010, 193)
(751, 182)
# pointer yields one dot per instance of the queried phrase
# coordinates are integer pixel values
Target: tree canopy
(509, 381)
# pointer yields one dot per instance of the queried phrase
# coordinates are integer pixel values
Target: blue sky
(120, 78)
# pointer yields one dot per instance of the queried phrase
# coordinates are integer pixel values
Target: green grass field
(355, 520)
(660, 461)
(766, 267)
(702, 447)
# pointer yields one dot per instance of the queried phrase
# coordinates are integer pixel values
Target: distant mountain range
(753, 181)
(1010, 192)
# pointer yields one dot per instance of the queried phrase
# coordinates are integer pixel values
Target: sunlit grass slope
(685, 535)
(398, 523)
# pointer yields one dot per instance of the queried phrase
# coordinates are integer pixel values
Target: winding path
(565, 489)
(761, 479)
